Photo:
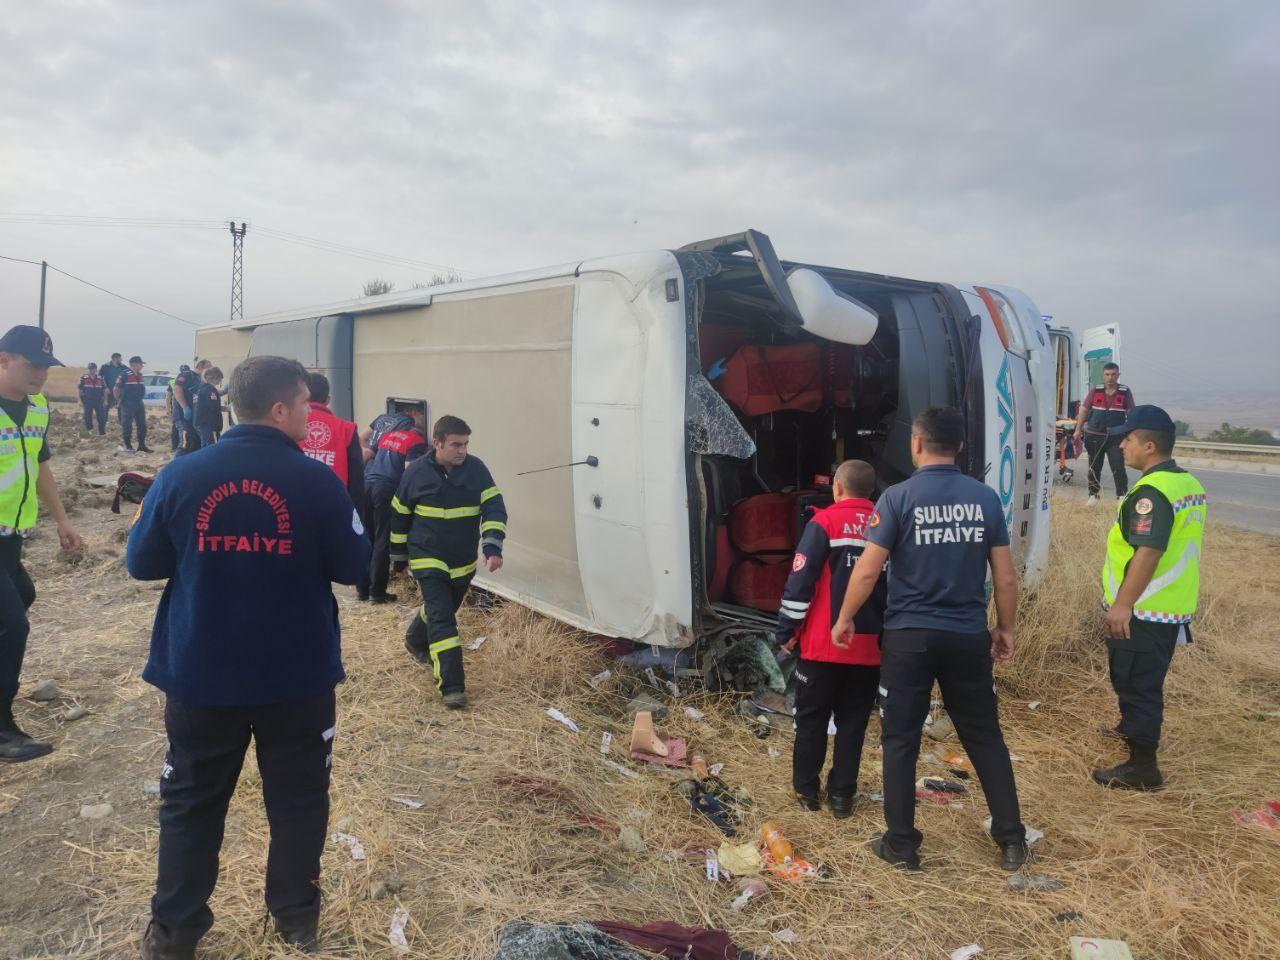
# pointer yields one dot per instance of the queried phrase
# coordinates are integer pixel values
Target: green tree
(1182, 429)
(1229, 434)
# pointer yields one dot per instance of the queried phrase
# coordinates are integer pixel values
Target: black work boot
(454, 700)
(1014, 856)
(304, 937)
(157, 945)
(1139, 772)
(841, 806)
(382, 598)
(880, 847)
(16, 746)
(810, 801)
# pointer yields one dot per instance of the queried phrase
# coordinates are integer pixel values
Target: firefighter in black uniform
(93, 399)
(939, 530)
(447, 505)
(130, 392)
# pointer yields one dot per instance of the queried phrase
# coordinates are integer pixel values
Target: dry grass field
(520, 816)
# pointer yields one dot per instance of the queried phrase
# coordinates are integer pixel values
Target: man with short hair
(208, 407)
(832, 681)
(26, 482)
(939, 530)
(131, 392)
(111, 372)
(1150, 587)
(250, 534)
(446, 509)
(333, 441)
(93, 400)
(184, 386)
(1104, 408)
(399, 439)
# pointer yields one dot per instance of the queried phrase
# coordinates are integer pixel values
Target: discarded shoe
(841, 807)
(1014, 856)
(455, 700)
(880, 847)
(644, 738)
(720, 815)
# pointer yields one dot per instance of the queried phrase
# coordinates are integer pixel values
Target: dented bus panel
(658, 422)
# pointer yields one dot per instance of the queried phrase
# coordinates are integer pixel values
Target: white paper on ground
(606, 741)
(1014, 756)
(399, 920)
(1033, 704)
(788, 935)
(477, 643)
(411, 804)
(556, 715)
(713, 866)
(357, 848)
(599, 678)
(966, 953)
(693, 713)
(1033, 835)
(774, 752)
(715, 769)
(626, 772)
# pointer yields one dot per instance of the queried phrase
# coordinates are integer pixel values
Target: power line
(120, 296)
(345, 250)
(34, 263)
(86, 221)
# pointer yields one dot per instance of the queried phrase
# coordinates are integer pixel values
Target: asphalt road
(1248, 500)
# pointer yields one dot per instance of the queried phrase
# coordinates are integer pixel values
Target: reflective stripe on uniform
(488, 494)
(399, 538)
(397, 506)
(437, 648)
(447, 513)
(490, 525)
(431, 563)
(849, 542)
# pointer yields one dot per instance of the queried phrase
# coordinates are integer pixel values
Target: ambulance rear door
(1098, 347)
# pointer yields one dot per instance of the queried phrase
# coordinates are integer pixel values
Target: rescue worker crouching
(1150, 586)
(446, 507)
(832, 679)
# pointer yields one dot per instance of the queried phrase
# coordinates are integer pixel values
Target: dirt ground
(519, 817)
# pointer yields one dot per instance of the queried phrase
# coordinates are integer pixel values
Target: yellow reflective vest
(20, 466)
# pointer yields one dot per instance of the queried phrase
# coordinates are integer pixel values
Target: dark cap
(1144, 417)
(32, 343)
(136, 359)
(92, 366)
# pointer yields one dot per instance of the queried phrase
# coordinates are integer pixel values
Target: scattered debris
(749, 889)
(1091, 948)
(521, 940)
(631, 840)
(599, 678)
(966, 953)
(96, 811)
(151, 787)
(625, 771)
(406, 801)
(716, 769)
(957, 762)
(1034, 883)
(644, 702)
(941, 729)
(1069, 917)
(1033, 704)
(477, 643)
(75, 713)
(741, 859)
(712, 866)
(1033, 835)
(875, 796)
(1016, 758)
(44, 691)
(694, 714)
(775, 753)
(787, 935)
(1267, 818)
(780, 858)
(399, 920)
(559, 717)
(386, 887)
(356, 847)
(606, 743)
(715, 810)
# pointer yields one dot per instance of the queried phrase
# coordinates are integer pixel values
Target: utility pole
(44, 271)
(237, 270)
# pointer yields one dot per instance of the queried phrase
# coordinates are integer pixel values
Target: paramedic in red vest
(93, 399)
(26, 484)
(1104, 408)
(333, 441)
(394, 450)
(250, 535)
(830, 679)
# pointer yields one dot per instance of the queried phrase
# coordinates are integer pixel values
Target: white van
(660, 422)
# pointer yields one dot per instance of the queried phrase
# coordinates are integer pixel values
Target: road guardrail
(1272, 450)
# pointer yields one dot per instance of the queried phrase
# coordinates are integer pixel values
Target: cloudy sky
(1118, 162)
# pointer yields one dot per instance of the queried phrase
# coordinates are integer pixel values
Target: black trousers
(131, 414)
(1138, 668)
(911, 660)
(379, 526)
(17, 593)
(206, 751)
(95, 407)
(822, 689)
(434, 631)
(1100, 447)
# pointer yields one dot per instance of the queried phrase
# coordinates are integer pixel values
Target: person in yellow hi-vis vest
(1150, 584)
(26, 481)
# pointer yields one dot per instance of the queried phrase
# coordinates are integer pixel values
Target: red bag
(765, 524)
(759, 380)
(758, 583)
(132, 487)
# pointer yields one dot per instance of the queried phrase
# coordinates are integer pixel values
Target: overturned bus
(660, 423)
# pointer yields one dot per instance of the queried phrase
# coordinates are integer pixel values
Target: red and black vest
(328, 439)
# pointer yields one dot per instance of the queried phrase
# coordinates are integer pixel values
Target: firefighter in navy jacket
(830, 679)
(446, 507)
(250, 533)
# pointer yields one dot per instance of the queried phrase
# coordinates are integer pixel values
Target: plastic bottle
(779, 846)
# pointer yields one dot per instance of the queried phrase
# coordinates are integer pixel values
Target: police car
(157, 394)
